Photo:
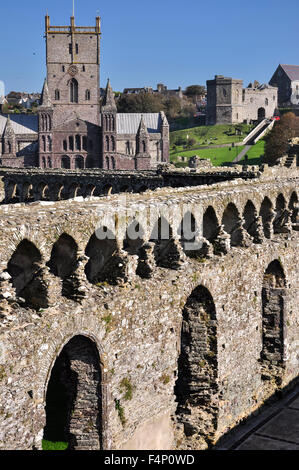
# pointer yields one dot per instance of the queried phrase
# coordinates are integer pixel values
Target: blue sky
(144, 43)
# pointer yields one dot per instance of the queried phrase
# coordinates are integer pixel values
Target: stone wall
(167, 345)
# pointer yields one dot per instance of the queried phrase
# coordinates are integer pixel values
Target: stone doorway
(74, 397)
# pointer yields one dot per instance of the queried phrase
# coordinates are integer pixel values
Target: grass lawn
(209, 135)
(255, 153)
(218, 156)
(49, 445)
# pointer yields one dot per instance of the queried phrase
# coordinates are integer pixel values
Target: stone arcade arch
(293, 206)
(267, 215)
(63, 263)
(187, 232)
(273, 312)
(23, 267)
(210, 224)
(100, 251)
(280, 206)
(231, 223)
(249, 215)
(74, 410)
(196, 387)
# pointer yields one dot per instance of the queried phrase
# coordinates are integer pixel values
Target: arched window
(79, 162)
(143, 146)
(57, 95)
(78, 142)
(65, 145)
(84, 142)
(65, 162)
(44, 143)
(112, 143)
(113, 163)
(266, 101)
(73, 91)
(87, 95)
(49, 144)
(107, 143)
(71, 142)
(44, 162)
(107, 163)
(9, 147)
(128, 148)
(49, 162)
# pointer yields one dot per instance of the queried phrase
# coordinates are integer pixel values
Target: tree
(172, 107)
(140, 103)
(195, 90)
(277, 140)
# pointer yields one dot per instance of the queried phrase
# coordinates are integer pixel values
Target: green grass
(218, 156)
(210, 135)
(255, 153)
(49, 445)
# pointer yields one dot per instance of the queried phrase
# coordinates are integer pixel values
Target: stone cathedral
(74, 128)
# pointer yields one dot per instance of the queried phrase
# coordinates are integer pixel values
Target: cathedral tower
(73, 60)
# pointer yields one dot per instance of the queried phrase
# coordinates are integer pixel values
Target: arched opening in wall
(210, 225)
(79, 162)
(90, 190)
(142, 189)
(249, 215)
(11, 192)
(231, 223)
(24, 268)
(112, 143)
(43, 192)
(64, 145)
(75, 190)
(261, 114)
(49, 162)
(266, 213)
(134, 238)
(294, 208)
(78, 142)
(166, 254)
(44, 164)
(60, 193)
(187, 232)
(100, 249)
(107, 143)
(65, 162)
(73, 91)
(43, 143)
(107, 189)
(74, 410)
(273, 312)
(71, 143)
(113, 163)
(63, 263)
(278, 221)
(196, 388)
(27, 192)
(107, 163)
(84, 140)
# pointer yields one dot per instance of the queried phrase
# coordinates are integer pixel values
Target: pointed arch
(249, 216)
(231, 223)
(210, 224)
(76, 379)
(196, 388)
(187, 232)
(294, 207)
(266, 213)
(74, 90)
(63, 259)
(99, 249)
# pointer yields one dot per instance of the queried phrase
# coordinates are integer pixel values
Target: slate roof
(128, 123)
(291, 70)
(21, 123)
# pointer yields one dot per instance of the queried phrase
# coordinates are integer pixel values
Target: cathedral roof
(20, 123)
(291, 70)
(128, 123)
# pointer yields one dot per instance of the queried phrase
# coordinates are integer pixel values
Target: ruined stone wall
(134, 305)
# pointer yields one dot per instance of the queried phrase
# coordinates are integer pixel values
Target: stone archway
(261, 114)
(196, 387)
(74, 413)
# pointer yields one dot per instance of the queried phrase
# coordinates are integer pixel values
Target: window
(73, 91)
(77, 49)
(64, 145)
(87, 95)
(63, 68)
(49, 162)
(83, 68)
(49, 144)
(44, 143)
(78, 142)
(70, 49)
(71, 142)
(57, 95)
(84, 142)
(266, 101)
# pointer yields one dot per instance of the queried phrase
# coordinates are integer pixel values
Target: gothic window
(128, 149)
(84, 142)
(224, 92)
(73, 91)
(49, 144)
(78, 142)
(107, 162)
(83, 68)
(143, 146)
(57, 95)
(44, 143)
(79, 162)
(107, 143)
(9, 147)
(71, 142)
(49, 162)
(113, 163)
(65, 145)
(87, 95)
(77, 49)
(44, 162)
(266, 101)
(65, 162)
(112, 143)
(70, 49)
(49, 123)
(63, 68)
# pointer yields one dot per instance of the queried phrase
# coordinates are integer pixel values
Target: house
(286, 79)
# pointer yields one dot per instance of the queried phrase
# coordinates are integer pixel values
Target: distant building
(229, 103)
(286, 79)
(161, 89)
